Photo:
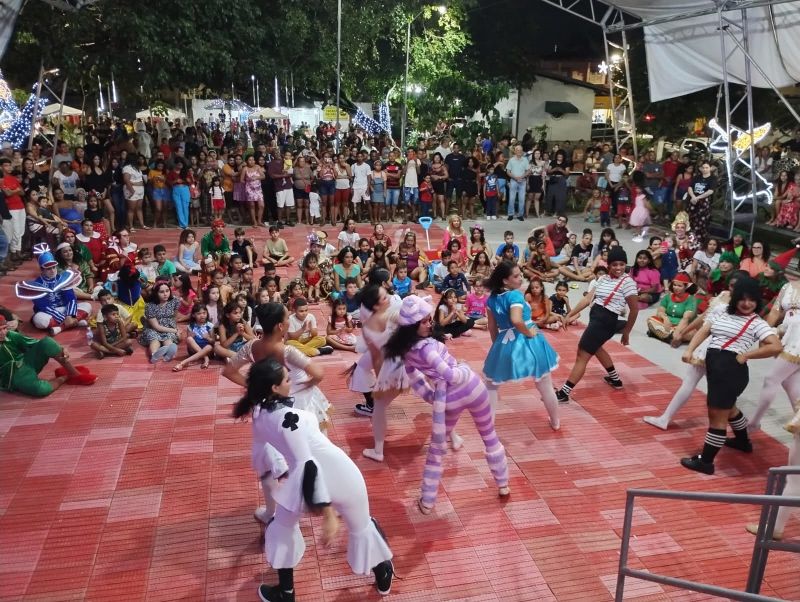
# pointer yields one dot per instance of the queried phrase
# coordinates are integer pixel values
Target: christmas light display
(8, 108)
(735, 147)
(19, 131)
(369, 125)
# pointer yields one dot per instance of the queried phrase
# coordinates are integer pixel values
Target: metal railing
(770, 502)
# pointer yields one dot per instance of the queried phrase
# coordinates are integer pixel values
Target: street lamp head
(442, 9)
(252, 78)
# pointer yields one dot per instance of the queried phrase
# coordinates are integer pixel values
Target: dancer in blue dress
(519, 350)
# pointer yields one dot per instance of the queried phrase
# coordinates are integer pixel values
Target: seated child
(559, 302)
(475, 305)
(104, 297)
(352, 300)
(456, 280)
(541, 309)
(303, 333)
(439, 271)
(110, 336)
(340, 327)
(200, 338)
(449, 319)
(276, 250)
(243, 247)
(401, 281)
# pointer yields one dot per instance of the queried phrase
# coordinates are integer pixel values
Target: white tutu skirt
(313, 400)
(392, 378)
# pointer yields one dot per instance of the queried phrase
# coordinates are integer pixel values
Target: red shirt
(13, 201)
(166, 149)
(670, 168)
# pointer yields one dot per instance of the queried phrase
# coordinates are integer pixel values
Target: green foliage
(20, 96)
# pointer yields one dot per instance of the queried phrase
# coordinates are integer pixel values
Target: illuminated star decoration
(603, 68)
(734, 149)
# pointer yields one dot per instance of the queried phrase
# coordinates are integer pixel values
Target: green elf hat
(730, 257)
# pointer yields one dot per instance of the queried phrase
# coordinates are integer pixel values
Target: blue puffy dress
(514, 356)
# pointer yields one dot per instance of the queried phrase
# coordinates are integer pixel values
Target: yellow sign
(329, 114)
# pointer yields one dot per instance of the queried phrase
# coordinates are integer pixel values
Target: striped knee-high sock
(739, 425)
(715, 439)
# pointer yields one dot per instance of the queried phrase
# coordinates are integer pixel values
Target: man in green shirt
(23, 358)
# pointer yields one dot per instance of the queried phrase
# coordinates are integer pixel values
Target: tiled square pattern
(140, 488)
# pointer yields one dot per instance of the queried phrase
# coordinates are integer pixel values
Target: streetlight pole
(338, 68)
(404, 116)
(253, 81)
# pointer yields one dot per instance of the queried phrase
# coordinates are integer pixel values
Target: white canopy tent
(52, 110)
(267, 113)
(692, 45)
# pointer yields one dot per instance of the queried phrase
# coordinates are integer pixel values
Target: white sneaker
(657, 421)
(54, 330)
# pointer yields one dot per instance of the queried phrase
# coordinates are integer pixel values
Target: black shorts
(300, 194)
(603, 324)
(471, 188)
(535, 184)
(439, 186)
(456, 185)
(727, 378)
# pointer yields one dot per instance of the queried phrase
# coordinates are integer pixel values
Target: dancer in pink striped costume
(451, 388)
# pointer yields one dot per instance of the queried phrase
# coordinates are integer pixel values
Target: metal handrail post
(766, 529)
(623, 552)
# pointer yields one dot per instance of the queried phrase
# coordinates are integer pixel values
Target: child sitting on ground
(303, 333)
(559, 302)
(456, 280)
(234, 332)
(213, 304)
(104, 297)
(449, 319)
(476, 305)
(401, 281)
(199, 340)
(439, 271)
(163, 267)
(110, 336)
(275, 249)
(243, 247)
(352, 300)
(340, 328)
(541, 309)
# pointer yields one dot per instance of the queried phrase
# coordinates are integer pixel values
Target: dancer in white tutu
(320, 478)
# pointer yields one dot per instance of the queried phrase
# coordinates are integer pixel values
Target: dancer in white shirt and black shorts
(732, 333)
(612, 295)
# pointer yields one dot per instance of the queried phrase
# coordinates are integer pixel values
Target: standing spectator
(411, 181)
(654, 174)
(669, 169)
(14, 226)
(456, 163)
(614, 173)
(518, 169)
(699, 203)
(393, 172)
(556, 195)
(361, 171)
(282, 181)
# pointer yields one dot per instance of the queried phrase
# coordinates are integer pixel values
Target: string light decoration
(385, 117)
(19, 131)
(736, 148)
(8, 108)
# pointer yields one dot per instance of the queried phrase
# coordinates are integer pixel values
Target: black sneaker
(745, 445)
(271, 593)
(325, 350)
(279, 224)
(383, 577)
(561, 396)
(511, 218)
(363, 409)
(696, 463)
(520, 218)
(613, 382)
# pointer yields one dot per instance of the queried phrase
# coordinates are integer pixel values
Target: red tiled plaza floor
(140, 488)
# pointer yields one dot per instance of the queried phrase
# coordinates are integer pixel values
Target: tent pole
(630, 95)
(726, 95)
(750, 124)
(611, 100)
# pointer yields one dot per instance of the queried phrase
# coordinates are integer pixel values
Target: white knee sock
(379, 423)
(693, 376)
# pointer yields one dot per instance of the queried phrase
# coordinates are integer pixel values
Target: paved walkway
(140, 488)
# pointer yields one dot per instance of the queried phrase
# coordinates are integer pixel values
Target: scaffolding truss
(743, 186)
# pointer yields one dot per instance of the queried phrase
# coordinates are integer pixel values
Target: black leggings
(455, 328)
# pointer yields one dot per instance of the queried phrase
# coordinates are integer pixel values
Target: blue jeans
(411, 195)
(491, 206)
(180, 197)
(516, 191)
(3, 245)
(392, 197)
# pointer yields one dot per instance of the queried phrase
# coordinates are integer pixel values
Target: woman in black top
(698, 203)
(556, 194)
(116, 204)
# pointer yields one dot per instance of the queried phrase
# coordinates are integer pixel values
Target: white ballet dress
(789, 299)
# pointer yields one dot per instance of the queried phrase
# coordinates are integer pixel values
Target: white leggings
(693, 376)
(545, 387)
(785, 374)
